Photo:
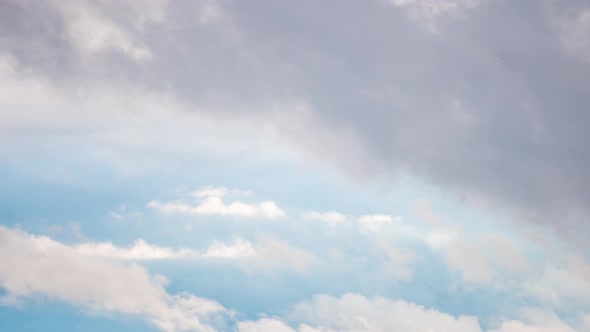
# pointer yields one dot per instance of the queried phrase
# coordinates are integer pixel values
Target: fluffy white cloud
(210, 203)
(238, 249)
(139, 250)
(375, 221)
(266, 254)
(210, 191)
(353, 312)
(331, 218)
(536, 320)
(39, 266)
(264, 325)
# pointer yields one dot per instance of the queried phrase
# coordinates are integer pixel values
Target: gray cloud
(491, 104)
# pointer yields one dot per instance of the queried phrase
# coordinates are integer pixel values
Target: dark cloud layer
(492, 102)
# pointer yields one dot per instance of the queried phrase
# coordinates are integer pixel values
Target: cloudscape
(295, 166)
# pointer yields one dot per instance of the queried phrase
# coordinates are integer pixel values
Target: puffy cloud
(39, 266)
(453, 107)
(353, 312)
(211, 203)
(535, 320)
(266, 254)
(236, 250)
(331, 218)
(375, 221)
(138, 251)
(264, 325)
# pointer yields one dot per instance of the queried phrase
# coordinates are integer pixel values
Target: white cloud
(535, 320)
(353, 313)
(268, 253)
(210, 191)
(238, 249)
(331, 218)
(39, 266)
(211, 203)
(375, 221)
(138, 251)
(264, 325)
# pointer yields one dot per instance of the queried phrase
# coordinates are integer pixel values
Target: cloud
(468, 108)
(575, 33)
(90, 32)
(375, 221)
(140, 250)
(399, 263)
(236, 250)
(33, 266)
(331, 218)
(353, 312)
(266, 254)
(480, 256)
(427, 11)
(264, 325)
(562, 284)
(210, 203)
(210, 192)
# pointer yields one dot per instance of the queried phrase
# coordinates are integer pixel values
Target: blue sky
(306, 166)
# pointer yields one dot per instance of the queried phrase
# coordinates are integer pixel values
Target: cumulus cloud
(236, 250)
(138, 251)
(331, 218)
(266, 254)
(210, 203)
(375, 221)
(453, 107)
(353, 312)
(32, 266)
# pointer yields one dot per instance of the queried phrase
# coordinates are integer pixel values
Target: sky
(295, 166)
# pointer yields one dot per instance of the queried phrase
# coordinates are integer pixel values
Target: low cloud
(331, 218)
(210, 203)
(375, 221)
(266, 254)
(37, 266)
(353, 312)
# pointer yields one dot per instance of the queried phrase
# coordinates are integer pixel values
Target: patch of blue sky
(53, 316)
